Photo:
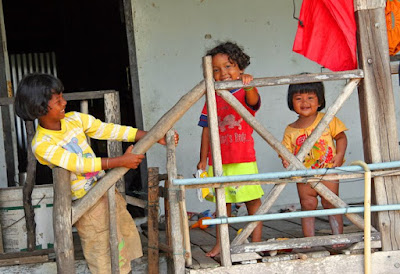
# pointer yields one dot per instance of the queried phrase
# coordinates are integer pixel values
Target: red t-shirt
(237, 143)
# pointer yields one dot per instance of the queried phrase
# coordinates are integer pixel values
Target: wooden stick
(114, 253)
(303, 242)
(174, 197)
(217, 159)
(155, 133)
(293, 79)
(153, 257)
(27, 190)
(185, 228)
(112, 113)
(64, 245)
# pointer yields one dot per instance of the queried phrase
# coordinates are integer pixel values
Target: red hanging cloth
(328, 34)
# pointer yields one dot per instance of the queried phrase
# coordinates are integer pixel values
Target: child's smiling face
(305, 104)
(56, 107)
(225, 69)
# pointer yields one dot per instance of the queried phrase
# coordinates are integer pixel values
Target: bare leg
(217, 248)
(335, 221)
(252, 207)
(308, 201)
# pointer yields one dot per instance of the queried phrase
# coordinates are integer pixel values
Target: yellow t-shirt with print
(323, 150)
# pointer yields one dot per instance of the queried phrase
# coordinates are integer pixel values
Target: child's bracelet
(248, 89)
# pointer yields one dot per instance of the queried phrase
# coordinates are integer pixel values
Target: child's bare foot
(213, 252)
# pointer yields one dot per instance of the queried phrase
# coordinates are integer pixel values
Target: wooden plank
(382, 263)
(200, 237)
(7, 113)
(378, 118)
(223, 232)
(112, 113)
(174, 197)
(245, 257)
(200, 260)
(293, 79)
(64, 245)
(292, 229)
(153, 220)
(133, 81)
(303, 242)
(86, 95)
(24, 260)
(28, 188)
(157, 132)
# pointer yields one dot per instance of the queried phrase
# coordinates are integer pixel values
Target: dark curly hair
(234, 52)
(34, 93)
(317, 88)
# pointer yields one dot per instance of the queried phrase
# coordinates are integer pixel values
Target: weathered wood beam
(64, 245)
(152, 220)
(382, 263)
(293, 79)
(303, 242)
(28, 189)
(212, 117)
(174, 197)
(155, 133)
(378, 114)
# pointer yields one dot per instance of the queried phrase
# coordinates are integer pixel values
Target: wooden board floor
(203, 240)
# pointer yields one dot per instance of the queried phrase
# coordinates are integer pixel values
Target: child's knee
(326, 204)
(309, 203)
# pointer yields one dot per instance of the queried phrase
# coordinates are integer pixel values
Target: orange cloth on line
(328, 34)
(392, 11)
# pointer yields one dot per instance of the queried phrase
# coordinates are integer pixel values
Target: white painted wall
(171, 41)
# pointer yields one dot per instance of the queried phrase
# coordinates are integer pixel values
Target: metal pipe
(298, 214)
(284, 174)
(367, 216)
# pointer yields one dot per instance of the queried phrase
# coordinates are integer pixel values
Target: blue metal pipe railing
(284, 174)
(297, 214)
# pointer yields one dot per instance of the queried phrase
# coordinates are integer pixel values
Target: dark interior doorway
(89, 41)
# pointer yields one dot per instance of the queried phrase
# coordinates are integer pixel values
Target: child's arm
(252, 96)
(341, 145)
(205, 144)
(127, 160)
(141, 133)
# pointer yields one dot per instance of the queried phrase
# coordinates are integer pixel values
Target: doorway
(88, 39)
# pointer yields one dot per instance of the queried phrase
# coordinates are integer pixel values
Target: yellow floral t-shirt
(323, 150)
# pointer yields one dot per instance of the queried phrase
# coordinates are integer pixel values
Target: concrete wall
(171, 39)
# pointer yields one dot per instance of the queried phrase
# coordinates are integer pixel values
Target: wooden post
(152, 219)
(28, 188)
(185, 228)
(157, 132)
(378, 115)
(174, 196)
(168, 230)
(133, 81)
(113, 115)
(217, 159)
(62, 225)
(7, 112)
(114, 148)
